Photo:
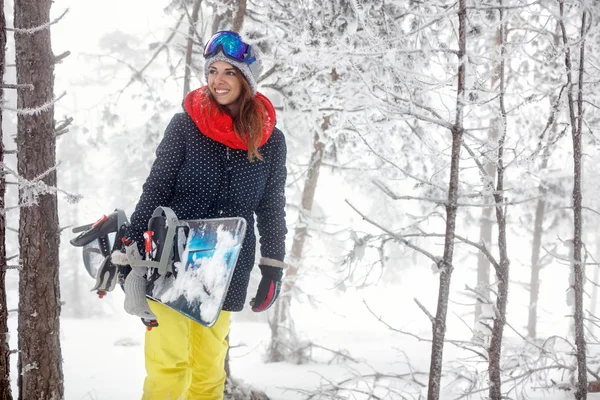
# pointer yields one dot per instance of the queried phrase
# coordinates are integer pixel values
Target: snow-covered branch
(47, 25)
(31, 190)
(395, 235)
(36, 110)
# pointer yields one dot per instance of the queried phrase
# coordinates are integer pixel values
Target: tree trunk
(538, 230)
(283, 334)
(483, 264)
(485, 232)
(190, 47)
(238, 18)
(227, 365)
(225, 15)
(576, 121)
(534, 289)
(40, 373)
(79, 304)
(594, 299)
(222, 16)
(503, 267)
(445, 264)
(5, 391)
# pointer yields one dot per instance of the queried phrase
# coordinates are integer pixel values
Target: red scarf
(217, 125)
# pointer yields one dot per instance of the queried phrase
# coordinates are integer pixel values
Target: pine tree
(5, 390)
(40, 373)
(502, 267)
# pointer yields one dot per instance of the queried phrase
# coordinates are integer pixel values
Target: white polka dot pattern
(198, 178)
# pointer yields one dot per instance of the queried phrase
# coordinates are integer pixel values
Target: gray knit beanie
(250, 71)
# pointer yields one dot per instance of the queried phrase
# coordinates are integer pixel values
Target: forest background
(433, 147)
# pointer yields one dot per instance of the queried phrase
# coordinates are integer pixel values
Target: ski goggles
(232, 46)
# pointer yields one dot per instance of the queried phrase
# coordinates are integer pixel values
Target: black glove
(268, 288)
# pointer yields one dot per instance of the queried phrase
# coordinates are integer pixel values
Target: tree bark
(538, 230)
(282, 329)
(190, 47)
(227, 365)
(225, 17)
(534, 289)
(40, 373)
(576, 121)
(485, 232)
(503, 268)
(222, 17)
(5, 390)
(238, 18)
(445, 264)
(594, 300)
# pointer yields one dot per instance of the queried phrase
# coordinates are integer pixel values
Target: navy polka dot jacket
(198, 177)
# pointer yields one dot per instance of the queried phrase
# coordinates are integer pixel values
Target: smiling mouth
(221, 91)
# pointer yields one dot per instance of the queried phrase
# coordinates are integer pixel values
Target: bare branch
(17, 86)
(394, 196)
(58, 59)
(591, 210)
(390, 162)
(62, 127)
(396, 236)
(163, 46)
(422, 307)
(268, 73)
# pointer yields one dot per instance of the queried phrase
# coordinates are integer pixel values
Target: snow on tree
(5, 390)
(575, 82)
(40, 362)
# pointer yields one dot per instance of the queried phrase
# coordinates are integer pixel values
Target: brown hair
(249, 123)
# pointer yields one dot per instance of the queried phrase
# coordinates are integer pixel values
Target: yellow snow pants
(185, 360)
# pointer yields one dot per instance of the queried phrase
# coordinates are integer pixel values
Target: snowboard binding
(101, 238)
(96, 242)
(179, 257)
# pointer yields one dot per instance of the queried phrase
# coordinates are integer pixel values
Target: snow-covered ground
(103, 359)
(103, 356)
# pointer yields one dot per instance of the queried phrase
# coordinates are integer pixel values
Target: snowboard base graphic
(189, 263)
(199, 282)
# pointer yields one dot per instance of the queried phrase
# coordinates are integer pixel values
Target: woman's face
(224, 83)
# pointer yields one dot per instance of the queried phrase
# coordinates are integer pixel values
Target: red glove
(268, 288)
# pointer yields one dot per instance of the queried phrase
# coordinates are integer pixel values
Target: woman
(222, 157)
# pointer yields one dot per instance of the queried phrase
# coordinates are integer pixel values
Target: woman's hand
(268, 289)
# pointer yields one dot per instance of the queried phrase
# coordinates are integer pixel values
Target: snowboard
(189, 263)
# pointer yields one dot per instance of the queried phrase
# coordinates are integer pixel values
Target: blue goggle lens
(229, 42)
